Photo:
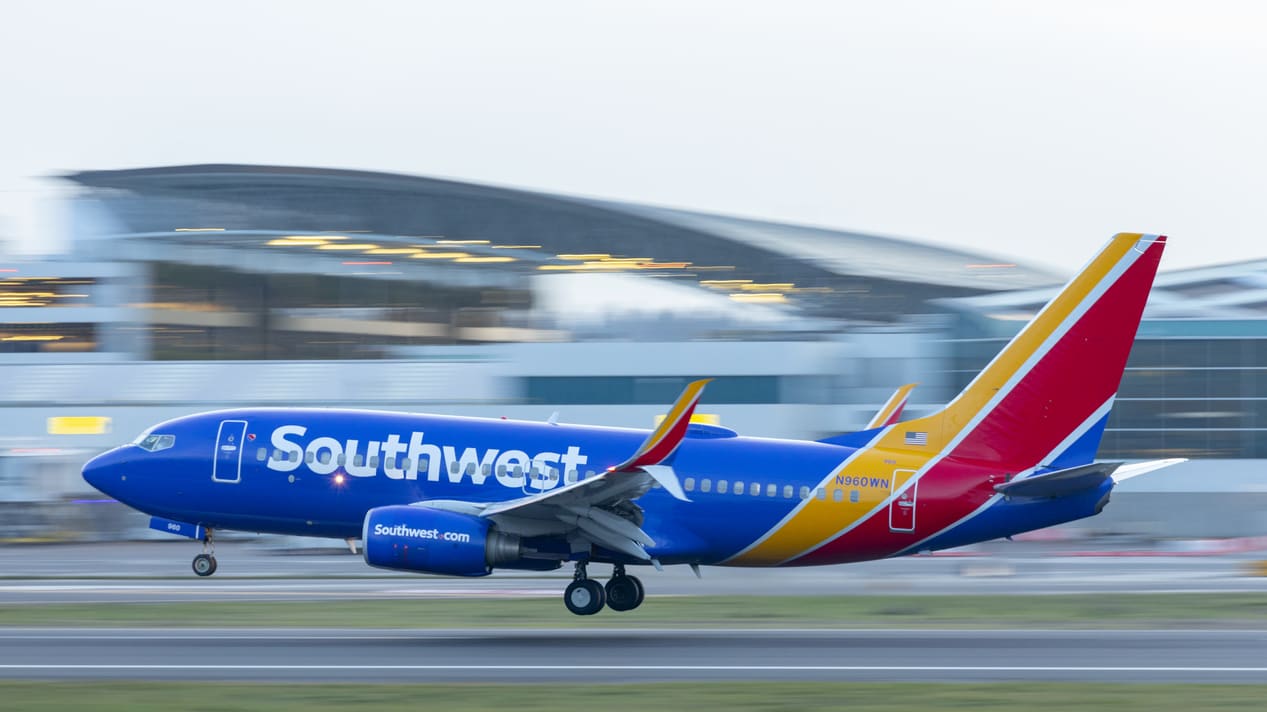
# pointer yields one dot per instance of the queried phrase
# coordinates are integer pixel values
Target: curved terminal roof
(825, 272)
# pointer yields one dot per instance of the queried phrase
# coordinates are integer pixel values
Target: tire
(204, 565)
(624, 593)
(585, 597)
(642, 591)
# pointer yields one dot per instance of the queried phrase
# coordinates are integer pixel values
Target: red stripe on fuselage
(1066, 386)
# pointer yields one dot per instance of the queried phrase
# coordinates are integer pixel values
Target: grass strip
(857, 697)
(1073, 610)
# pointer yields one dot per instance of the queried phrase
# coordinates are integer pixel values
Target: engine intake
(432, 541)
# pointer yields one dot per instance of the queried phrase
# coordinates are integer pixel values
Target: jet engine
(432, 541)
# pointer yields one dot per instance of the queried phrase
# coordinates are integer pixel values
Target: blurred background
(191, 288)
(284, 204)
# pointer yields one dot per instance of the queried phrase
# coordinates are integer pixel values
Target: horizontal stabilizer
(1060, 482)
(1136, 469)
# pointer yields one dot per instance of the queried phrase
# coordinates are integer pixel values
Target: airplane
(460, 496)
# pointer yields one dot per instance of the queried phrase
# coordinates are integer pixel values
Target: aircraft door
(902, 507)
(226, 466)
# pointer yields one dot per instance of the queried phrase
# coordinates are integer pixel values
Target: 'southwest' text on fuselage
(401, 458)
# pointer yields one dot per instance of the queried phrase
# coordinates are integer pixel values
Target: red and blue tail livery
(1015, 451)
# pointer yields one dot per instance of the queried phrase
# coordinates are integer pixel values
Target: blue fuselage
(316, 472)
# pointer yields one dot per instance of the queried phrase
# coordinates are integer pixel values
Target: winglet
(891, 411)
(666, 438)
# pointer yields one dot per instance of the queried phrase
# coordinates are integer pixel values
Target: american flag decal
(916, 438)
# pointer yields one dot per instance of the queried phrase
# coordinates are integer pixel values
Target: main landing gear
(585, 596)
(205, 563)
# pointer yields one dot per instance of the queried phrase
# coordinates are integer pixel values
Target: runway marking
(640, 668)
(133, 633)
(388, 636)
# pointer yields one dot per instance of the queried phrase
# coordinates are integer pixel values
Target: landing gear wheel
(204, 564)
(624, 593)
(584, 597)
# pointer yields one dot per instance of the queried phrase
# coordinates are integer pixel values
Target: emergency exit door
(902, 507)
(226, 466)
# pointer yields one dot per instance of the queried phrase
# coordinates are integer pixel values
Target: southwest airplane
(1015, 451)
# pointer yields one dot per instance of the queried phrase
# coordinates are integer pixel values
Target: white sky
(1032, 130)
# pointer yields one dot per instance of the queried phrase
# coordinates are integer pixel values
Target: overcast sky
(1030, 130)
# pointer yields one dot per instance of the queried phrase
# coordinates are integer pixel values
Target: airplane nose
(96, 471)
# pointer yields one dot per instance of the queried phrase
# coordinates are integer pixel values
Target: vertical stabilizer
(1048, 392)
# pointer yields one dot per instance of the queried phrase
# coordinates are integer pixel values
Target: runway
(612, 655)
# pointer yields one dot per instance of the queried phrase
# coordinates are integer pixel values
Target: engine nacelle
(432, 541)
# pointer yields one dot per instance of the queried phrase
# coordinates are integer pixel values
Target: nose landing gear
(205, 563)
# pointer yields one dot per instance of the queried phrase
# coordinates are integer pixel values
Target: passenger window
(501, 470)
(277, 454)
(390, 464)
(470, 469)
(804, 492)
(424, 464)
(358, 461)
(821, 494)
(754, 489)
(854, 496)
(689, 484)
(343, 460)
(772, 490)
(453, 468)
(374, 461)
(404, 464)
(294, 456)
(705, 485)
(308, 457)
(261, 454)
(787, 491)
(722, 486)
(838, 495)
(739, 487)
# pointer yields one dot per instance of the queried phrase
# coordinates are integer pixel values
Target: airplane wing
(600, 510)
(891, 411)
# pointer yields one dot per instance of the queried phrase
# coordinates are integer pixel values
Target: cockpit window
(154, 443)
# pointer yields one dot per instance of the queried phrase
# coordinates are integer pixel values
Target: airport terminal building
(196, 287)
